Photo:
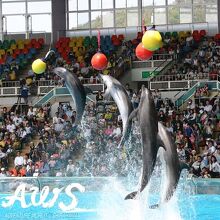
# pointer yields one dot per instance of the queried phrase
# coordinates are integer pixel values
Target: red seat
(33, 41)
(14, 55)
(41, 41)
(17, 51)
(37, 45)
(202, 33)
(25, 51)
(197, 38)
(195, 32)
(60, 49)
(114, 37)
(121, 37)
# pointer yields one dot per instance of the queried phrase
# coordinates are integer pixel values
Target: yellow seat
(19, 41)
(10, 51)
(75, 49)
(27, 41)
(2, 52)
(21, 46)
(13, 46)
(71, 44)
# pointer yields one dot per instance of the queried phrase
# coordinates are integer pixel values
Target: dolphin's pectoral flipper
(107, 94)
(160, 142)
(131, 195)
(133, 114)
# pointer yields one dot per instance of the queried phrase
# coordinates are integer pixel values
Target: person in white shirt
(208, 107)
(214, 167)
(11, 127)
(17, 120)
(70, 168)
(19, 160)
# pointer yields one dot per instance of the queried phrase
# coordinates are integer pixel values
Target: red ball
(142, 53)
(99, 61)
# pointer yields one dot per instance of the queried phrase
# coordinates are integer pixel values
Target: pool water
(89, 207)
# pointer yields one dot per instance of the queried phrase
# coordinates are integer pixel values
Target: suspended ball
(99, 61)
(142, 53)
(38, 66)
(152, 40)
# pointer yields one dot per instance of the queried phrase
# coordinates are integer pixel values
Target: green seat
(175, 34)
(12, 42)
(167, 34)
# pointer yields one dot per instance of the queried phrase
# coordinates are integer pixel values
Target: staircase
(213, 86)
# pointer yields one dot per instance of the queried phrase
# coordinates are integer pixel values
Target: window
(120, 4)
(39, 7)
(147, 14)
(173, 15)
(211, 13)
(41, 22)
(13, 8)
(72, 21)
(132, 3)
(120, 18)
(159, 2)
(185, 15)
(83, 20)
(108, 19)
(147, 3)
(95, 4)
(159, 16)
(72, 5)
(132, 17)
(83, 5)
(96, 21)
(16, 23)
(199, 13)
(106, 4)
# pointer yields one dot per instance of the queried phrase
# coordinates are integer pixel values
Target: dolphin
(154, 135)
(120, 96)
(172, 164)
(148, 122)
(76, 90)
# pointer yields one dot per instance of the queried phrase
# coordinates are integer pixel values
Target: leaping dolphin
(172, 164)
(120, 96)
(154, 135)
(147, 118)
(76, 90)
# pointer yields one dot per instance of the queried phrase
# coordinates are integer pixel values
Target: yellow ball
(152, 40)
(38, 66)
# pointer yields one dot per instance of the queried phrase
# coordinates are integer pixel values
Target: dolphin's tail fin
(131, 195)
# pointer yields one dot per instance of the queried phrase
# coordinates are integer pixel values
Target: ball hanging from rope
(39, 66)
(99, 61)
(142, 53)
(152, 40)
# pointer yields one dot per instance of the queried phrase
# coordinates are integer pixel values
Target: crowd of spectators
(197, 64)
(91, 149)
